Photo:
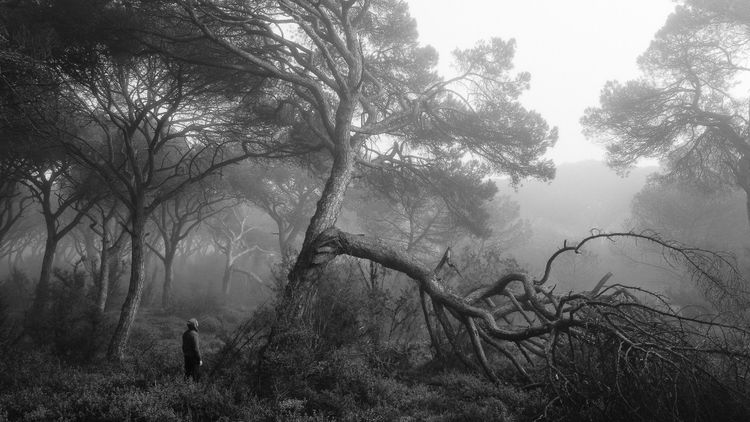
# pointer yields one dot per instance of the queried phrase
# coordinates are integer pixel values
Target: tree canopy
(690, 106)
(350, 74)
(148, 119)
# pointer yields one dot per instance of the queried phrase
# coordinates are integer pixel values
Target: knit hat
(193, 322)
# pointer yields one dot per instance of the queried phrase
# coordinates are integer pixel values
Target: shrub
(14, 297)
(37, 386)
(71, 326)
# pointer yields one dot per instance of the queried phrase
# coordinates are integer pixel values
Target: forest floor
(341, 383)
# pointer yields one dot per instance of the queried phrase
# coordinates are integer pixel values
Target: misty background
(374, 210)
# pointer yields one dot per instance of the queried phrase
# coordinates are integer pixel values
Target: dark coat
(190, 344)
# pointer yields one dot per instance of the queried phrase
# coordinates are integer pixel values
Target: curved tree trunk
(120, 337)
(326, 213)
(45, 275)
(284, 245)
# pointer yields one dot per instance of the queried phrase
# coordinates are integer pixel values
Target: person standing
(191, 350)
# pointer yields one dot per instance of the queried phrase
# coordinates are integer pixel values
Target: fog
(374, 210)
(587, 196)
(230, 258)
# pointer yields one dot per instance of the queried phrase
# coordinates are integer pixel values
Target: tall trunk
(283, 245)
(327, 211)
(286, 246)
(103, 276)
(43, 286)
(119, 341)
(226, 280)
(89, 259)
(105, 256)
(166, 294)
(113, 273)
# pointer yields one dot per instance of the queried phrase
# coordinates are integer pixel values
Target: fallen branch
(607, 329)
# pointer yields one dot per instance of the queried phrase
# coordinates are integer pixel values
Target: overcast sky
(570, 47)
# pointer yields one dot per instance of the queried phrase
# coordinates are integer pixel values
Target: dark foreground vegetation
(329, 371)
(299, 177)
(347, 384)
(341, 366)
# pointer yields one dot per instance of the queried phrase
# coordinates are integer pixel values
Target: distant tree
(487, 257)
(64, 202)
(28, 89)
(687, 108)
(23, 242)
(712, 220)
(198, 244)
(231, 233)
(14, 200)
(106, 222)
(156, 128)
(151, 126)
(691, 215)
(285, 192)
(424, 218)
(176, 218)
(508, 228)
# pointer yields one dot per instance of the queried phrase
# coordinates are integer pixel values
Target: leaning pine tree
(352, 73)
(349, 75)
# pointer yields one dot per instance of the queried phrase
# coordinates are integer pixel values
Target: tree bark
(326, 212)
(109, 250)
(113, 273)
(284, 245)
(103, 282)
(434, 340)
(116, 351)
(43, 286)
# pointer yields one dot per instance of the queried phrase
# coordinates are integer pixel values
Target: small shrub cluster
(14, 297)
(71, 325)
(37, 386)
(308, 378)
(347, 387)
(186, 304)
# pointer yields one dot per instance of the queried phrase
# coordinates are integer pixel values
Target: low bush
(70, 325)
(37, 386)
(350, 384)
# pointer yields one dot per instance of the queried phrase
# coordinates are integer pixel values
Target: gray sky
(570, 47)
